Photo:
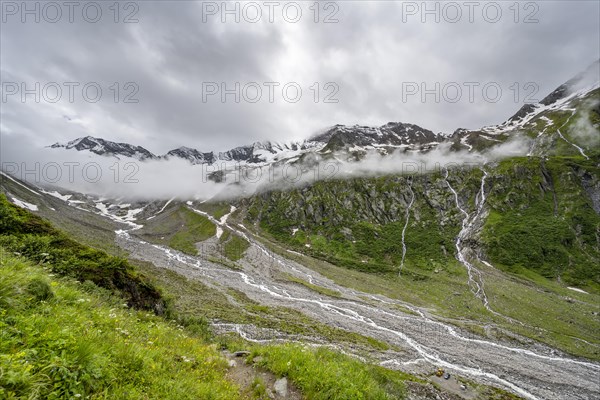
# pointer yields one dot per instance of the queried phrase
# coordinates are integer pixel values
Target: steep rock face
(591, 184)
(541, 212)
(541, 121)
(358, 223)
(538, 214)
(257, 153)
(522, 113)
(391, 135)
(242, 153)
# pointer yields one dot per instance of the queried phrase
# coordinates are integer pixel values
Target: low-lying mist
(582, 129)
(133, 180)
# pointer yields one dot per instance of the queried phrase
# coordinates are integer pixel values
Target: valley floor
(419, 342)
(536, 340)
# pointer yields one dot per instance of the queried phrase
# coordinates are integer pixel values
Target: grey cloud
(369, 54)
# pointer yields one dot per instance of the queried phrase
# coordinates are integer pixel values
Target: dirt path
(257, 383)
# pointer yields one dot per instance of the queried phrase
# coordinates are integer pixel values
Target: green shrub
(40, 289)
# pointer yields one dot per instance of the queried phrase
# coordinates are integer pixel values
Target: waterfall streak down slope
(412, 200)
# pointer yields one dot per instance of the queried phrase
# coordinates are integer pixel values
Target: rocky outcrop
(551, 206)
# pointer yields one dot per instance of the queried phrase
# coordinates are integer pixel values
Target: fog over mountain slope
(130, 171)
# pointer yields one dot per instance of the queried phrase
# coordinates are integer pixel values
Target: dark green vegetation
(89, 228)
(543, 219)
(540, 230)
(233, 246)
(37, 240)
(328, 367)
(553, 315)
(358, 223)
(60, 339)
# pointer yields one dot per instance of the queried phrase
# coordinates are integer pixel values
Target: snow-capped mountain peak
(192, 155)
(351, 139)
(105, 147)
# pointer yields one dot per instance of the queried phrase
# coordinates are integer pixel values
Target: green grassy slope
(543, 220)
(358, 223)
(31, 236)
(61, 339)
(553, 314)
(539, 230)
(180, 228)
(63, 336)
(89, 228)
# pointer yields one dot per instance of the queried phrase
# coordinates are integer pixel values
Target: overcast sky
(173, 57)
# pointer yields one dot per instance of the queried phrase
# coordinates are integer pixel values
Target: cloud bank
(372, 53)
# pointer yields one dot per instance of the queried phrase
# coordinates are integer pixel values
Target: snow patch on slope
(24, 204)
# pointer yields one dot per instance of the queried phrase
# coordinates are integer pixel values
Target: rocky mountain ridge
(338, 137)
(385, 139)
